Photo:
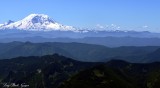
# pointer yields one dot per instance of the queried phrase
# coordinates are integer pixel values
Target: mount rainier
(42, 22)
(36, 22)
(44, 26)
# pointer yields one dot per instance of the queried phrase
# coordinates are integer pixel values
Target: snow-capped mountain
(40, 23)
(36, 22)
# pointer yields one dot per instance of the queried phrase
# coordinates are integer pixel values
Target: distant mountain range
(80, 51)
(44, 26)
(105, 41)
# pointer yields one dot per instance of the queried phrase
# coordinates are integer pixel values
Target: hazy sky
(87, 13)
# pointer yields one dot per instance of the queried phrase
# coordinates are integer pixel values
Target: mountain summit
(36, 22)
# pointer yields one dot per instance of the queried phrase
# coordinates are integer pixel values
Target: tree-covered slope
(40, 71)
(117, 74)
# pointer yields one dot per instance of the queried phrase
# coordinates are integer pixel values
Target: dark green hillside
(40, 72)
(117, 74)
(56, 71)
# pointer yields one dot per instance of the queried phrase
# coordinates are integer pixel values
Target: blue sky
(87, 13)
